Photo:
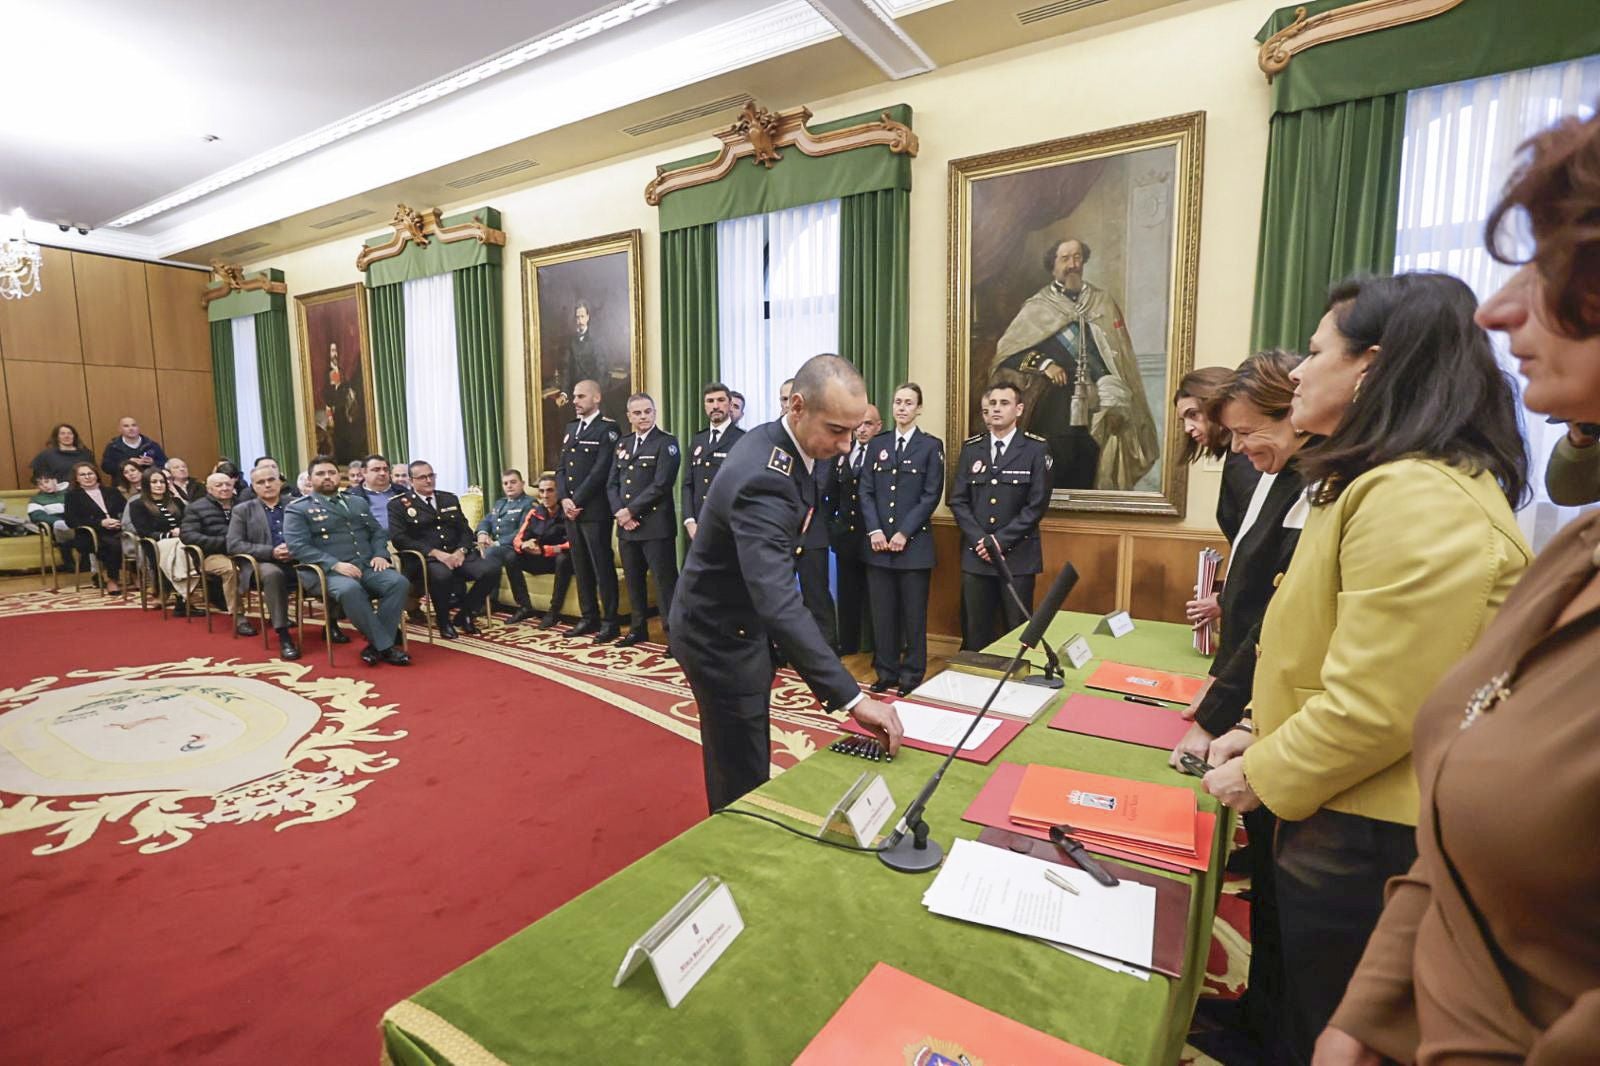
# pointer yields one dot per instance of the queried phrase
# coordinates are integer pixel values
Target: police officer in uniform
(812, 563)
(848, 533)
(900, 487)
(499, 529)
(428, 521)
(707, 451)
(738, 591)
(642, 479)
(338, 533)
(542, 547)
(1002, 489)
(582, 473)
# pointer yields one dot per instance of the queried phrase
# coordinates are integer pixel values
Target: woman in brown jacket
(1488, 949)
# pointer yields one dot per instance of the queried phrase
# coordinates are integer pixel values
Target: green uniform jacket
(333, 529)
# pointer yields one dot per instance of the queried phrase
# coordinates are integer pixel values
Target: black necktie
(999, 450)
(715, 433)
(636, 440)
(899, 448)
(855, 462)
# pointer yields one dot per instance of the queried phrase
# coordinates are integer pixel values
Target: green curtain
(480, 361)
(388, 322)
(690, 356)
(1329, 210)
(222, 390)
(277, 389)
(874, 279)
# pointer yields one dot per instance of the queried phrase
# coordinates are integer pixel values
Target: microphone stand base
(910, 859)
(1040, 681)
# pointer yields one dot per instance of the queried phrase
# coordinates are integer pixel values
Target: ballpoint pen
(1060, 882)
(1059, 836)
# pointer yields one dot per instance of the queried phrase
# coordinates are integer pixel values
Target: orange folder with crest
(1143, 681)
(1105, 808)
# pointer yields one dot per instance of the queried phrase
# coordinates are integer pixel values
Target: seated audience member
(355, 474)
(183, 486)
(205, 525)
(541, 547)
(429, 521)
(303, 483)
(1409, 548)
(337, 532)
(1572, 478)
(401, 472)
(226, 466)
(64, 451)
(130, 479)
(88, 503)
(496, 533)
(131, 444)
(48, 507)
(1488, 951)
(157, 514)
(377, 487)
(256, 529)
(247, 490)
(735, 407)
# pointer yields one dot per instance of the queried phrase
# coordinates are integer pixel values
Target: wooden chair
(49, 576)
(430, 612)
(94, 549)
(241, 563)
(200, 589)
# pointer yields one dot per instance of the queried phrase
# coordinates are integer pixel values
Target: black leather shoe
(370, 655)
(629, 640)
(880, 686)
(549, 621)
(465, 623)
(340, 636)
(416, 616)
(396, 657)
(905, 689)
(446, 630)
(583, 629)
(287, 650)
(607, 634)
(522, 615)
(244, 628)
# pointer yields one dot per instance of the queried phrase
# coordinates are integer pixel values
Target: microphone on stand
(916, 853)
(1053, 673)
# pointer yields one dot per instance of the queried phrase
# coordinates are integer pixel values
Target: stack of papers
(1205, 634)
(968, 690)
(1112, 811)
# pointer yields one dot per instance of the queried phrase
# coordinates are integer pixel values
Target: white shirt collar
(1006, 440)
(804, 458)
(906, 436)
(583, 423)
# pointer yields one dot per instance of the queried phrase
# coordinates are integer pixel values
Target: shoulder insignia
(1034, 436)
(611, 434)
(1048, 461)
(974, 439)
(672, 449)
(781, 461)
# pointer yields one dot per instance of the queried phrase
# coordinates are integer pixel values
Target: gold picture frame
(335, 316)
(1130, 198)
(602, 275)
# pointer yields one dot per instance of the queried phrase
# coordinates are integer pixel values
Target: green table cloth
(816, 920)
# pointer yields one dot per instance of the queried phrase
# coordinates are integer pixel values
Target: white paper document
(934, 725)
(970, 690)
(1008, 890)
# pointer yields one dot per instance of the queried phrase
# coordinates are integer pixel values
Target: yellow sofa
(21, 554)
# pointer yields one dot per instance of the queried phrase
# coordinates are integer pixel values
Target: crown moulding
(419, 227)
(233, 280)
(760, 135)
(1306, 32)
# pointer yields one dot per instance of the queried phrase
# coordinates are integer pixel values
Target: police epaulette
(1034, 436)
(975, 438)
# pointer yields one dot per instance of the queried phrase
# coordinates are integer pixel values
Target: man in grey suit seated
(255, 528)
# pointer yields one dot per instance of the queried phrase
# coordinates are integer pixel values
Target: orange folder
(1142, 681)
(1106, 809)
(893, 1017)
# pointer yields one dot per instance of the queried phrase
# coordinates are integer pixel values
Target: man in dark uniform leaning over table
(738, 591)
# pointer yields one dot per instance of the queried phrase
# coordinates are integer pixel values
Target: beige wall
(1193, 57)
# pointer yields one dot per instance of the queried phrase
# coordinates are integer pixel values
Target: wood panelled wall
(102, 339)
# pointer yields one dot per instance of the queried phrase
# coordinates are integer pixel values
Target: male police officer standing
(738, 586)
(431, 522)
(1002, 488)
(707, 451)
(582, 473)
(847, 532)
(640, 493)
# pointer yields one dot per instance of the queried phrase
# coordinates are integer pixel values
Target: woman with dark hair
(1409, 547)
(1488, 949)
(130, 479)
(1203, 437)
(89, 504)
(62, 452)
(156, 513)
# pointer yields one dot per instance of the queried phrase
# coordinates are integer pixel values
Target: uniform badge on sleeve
(1049, 462)
(672, 449)
(781, 461)
(883, 455)
(611, 435)
(977, 466)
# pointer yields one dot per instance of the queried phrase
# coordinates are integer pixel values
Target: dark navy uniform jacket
(899, 497)
(642, 480)
(816, 538)
(584, 466)
(846, 528)
(703, 463)
(414, 526)
(1006, 501)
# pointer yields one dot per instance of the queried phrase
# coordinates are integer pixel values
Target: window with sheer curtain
(777, 300)
(247, 396)
(1460, 145)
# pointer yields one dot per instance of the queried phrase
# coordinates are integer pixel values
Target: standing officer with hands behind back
(582, 473)
(738, 589)
(640, 494)
(707, 451)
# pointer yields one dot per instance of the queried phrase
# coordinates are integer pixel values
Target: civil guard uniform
(848, 535)
(340, 529)
(707, 451)
(501, 525)
(582, 472)
(643, 476)
(1002, 489)
(425, 524)
(900, 486)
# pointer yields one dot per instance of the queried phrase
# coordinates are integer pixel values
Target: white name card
(1117, 623)
(691, 936)
(861, 811)
(1076, 651)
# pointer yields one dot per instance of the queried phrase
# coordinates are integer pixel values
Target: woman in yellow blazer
(1409, 547)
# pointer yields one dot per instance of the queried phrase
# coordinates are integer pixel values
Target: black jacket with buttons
(415, 526)
(846, 530)
(702, 465)
(899, 497)
(584, 467)
(642, 480)
(1005, 501)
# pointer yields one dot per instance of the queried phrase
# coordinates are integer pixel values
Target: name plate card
(862, 811)
(1076, 651)
(1117, 623)
(690, 937)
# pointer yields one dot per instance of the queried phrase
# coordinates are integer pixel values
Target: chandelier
(21, 263)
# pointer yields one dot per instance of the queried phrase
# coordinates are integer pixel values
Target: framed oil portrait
(583, 319)
(1072, 277)
(336, 373)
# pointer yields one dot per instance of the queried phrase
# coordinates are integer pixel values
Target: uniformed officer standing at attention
(498, 531)
(425, 520)
(338, 533)
(848, 533)
(738, 589)
(707, 451)
(1002, 489)
(582, 472)
(902, 484)
(642, 479)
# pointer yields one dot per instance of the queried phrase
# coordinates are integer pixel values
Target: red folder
(1142, 681)
(983, 753)
(1133, 723)
(893, 1017)
(992, 806)
(1117, 810)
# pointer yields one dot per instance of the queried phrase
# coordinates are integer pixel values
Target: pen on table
(1143, 700)
(1060, 882)
(1076, 852)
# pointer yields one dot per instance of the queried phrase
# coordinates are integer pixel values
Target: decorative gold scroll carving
(233, 280)
(418, 227)
(761, 135)
(1306, 32)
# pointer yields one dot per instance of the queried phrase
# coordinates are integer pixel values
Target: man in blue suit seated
(337, 532)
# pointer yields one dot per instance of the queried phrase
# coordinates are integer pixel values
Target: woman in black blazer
(88, 503)
(900, 486)
(158, 510)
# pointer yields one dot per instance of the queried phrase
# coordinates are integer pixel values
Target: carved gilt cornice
(419, 227)
(233, 280)
(1306, 32)
(761, 135)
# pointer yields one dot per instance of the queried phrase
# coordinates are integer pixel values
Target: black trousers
(899, 624)
(1263, 994)
(812, 566)
(735, 747)
(983, 600)
(596, 570)
(1331, 869)
(516, 564)
(852, 601)
(659, 556)
(110, 551)
(463, 589)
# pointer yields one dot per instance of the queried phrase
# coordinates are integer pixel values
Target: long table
(816, 920)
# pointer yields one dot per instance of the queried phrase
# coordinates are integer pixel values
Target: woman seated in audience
(130, 479)
(64, 451)
(1488, 950)
(155, 514)
(90, 504)
(1409, 548)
